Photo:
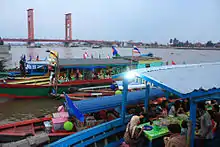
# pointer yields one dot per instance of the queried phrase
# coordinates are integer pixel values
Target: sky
(138, 20)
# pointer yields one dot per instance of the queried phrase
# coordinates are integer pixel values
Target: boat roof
(186, 81)
(138, 58)
(65, 63)
(108, 102)
(84, 63)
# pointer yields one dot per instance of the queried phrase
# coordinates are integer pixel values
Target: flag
(173, 63)
(53, 54)
(108, 57)
(136, 50)
(72, 109)
(84, 56)
(115, 52)
(87, 55)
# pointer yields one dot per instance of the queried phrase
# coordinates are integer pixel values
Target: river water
(15, 110)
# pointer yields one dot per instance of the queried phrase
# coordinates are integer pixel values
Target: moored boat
(28, 91)
(91, 72)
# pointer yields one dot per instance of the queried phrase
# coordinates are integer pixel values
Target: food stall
(198, 82)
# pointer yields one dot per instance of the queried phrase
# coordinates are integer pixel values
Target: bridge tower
(30, 14)
(68, 28)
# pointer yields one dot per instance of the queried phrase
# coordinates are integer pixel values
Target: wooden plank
(40, 83)
(95, 87)
(29, 81)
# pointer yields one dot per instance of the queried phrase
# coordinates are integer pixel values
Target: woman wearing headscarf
(132, 134)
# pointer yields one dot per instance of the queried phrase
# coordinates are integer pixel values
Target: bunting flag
(72, 109)
(136, 50)
(173, 63)
(115, 52)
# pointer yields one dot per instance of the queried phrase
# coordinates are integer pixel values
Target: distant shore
(153, 47)
(187, 48)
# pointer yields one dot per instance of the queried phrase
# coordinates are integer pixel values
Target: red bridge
(52, 40)
(68, 33)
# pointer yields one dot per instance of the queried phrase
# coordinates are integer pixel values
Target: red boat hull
(23, 91)
(21, 130)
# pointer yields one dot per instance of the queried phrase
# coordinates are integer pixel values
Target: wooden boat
(20, 130)
(39, 87)
(35, 87)
(20, 90)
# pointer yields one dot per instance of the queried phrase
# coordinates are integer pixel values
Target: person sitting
(184, 128)
(214, 102)
(214, 124)
(176, 108)
(164, 108)
(205, 123)
(152, 111)
(215, 108)
(176, 139)
(133, 135)
(144, 118)
(186, 105)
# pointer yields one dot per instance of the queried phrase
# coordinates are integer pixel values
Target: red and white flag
(173, 63)
(85, 55)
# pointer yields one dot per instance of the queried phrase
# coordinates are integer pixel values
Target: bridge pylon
(30, 20)
(68, 29)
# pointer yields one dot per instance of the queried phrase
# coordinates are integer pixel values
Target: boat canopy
(107, 102)
(85, 63)
(82, 63)
(198, 82)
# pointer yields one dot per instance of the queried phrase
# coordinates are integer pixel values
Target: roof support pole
(167, 95)
(193, 119)
(124, 99)
(146, 100)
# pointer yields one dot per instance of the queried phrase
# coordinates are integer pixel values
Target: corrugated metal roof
(184, 79)
(86, 62)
